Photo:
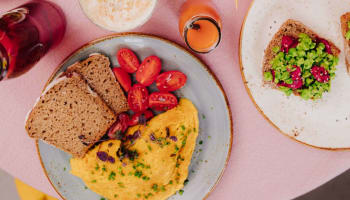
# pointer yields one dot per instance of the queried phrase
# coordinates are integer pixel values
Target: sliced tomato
(128, 61)
(119, 127)
(115, 132)
(138, 98)
(124, 118)
(123, 78)
(148, 70)
(140, 118)
(171, 81)
(162, 101)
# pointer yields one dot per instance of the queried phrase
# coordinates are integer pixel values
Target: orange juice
(200, 25)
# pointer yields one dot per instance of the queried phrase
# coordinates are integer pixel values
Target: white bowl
(103, 13)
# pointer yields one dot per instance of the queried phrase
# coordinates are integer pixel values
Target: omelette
(152, 163)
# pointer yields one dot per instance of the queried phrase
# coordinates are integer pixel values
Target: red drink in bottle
(26, 34)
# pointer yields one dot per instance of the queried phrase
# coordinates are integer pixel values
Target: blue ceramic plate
(203, 89)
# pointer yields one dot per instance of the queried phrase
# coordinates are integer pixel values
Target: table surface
(264, 164)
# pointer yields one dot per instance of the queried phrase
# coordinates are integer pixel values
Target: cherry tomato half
(128, 61)
(138, 98)
(171, 81)
(162, 101)
(148, 70)
(119, 127)
(140, 118)
(123, 78)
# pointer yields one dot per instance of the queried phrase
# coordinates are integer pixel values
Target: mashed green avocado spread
(305, 69)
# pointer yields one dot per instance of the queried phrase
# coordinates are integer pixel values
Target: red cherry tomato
(148, 70)
(128, 60)
(140, 118)
(162, 101)
(115, 131)
(123, 78)
(171, 81)
(119, 127)
(124, 118)
(138, 98)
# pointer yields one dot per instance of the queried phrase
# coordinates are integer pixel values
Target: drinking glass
(26, 34)
(200, 25)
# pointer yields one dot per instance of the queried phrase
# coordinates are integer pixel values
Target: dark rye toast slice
(344, 19)
(289, 28)
(97, 72)
(70, 116)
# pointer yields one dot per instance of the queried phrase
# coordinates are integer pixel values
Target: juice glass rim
(198, 18)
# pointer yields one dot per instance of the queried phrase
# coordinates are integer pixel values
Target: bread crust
(344, 19)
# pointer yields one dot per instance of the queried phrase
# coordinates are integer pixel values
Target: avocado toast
(298, 61)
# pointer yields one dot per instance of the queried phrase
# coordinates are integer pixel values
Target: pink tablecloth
(264, 164)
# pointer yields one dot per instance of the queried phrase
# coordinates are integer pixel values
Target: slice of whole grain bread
(97, 72)
(344, 19)
(290, 28)
(70, 116)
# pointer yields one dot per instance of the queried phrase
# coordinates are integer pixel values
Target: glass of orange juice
(200, 25)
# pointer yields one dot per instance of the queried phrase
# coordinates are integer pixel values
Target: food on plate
(97, 72)
(85, 113)
(148, 70)
(162, 101)
(140, 118)
(70, 116)
(119, 127)
(147, 73)
(152, 163)
(123, 78)
(118, 15)
(170, 81)
(299, 61)
(345, 27)
(128, 61)
(138, 98)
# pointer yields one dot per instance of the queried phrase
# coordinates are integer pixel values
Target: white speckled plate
(323, 123)
(203, 89)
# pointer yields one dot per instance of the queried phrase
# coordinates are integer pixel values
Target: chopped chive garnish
(138, 174)
(183, 127)
(186, 182)
(111, 176)
(155, 187)
(121, 185)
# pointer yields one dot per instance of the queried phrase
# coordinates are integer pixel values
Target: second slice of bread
(97, 72)
(70, 116)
